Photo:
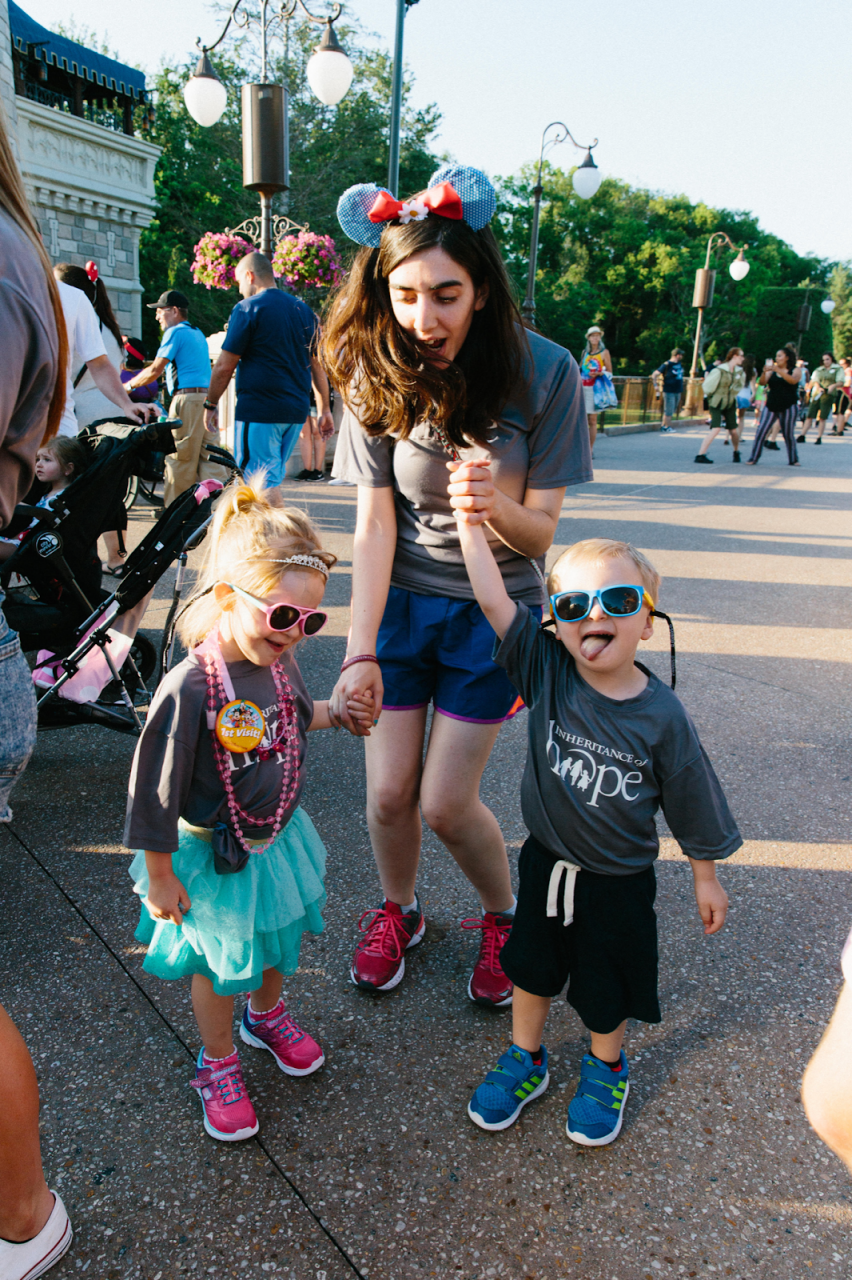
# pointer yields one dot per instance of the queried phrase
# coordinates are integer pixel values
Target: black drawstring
(655, 613)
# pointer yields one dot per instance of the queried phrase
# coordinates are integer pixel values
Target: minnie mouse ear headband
(91, 270)
(456, 192)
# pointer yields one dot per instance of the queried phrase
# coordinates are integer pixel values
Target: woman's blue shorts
(438, 649)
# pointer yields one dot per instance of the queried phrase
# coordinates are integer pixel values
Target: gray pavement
(371, 1166)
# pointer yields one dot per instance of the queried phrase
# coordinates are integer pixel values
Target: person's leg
(25, 1201)
(394, 755)
(529, 1014)
(608, 1048)
(593, 428)
(767, 419)
(823, 417)
(456, 757)
(306, 445)
(269, 993)
(320, 445)
(808, 423)
(114, 555)
(287, 435)
(788, 426)
(182, 466)
(715, 427)
(215, 1017)
(258, 445)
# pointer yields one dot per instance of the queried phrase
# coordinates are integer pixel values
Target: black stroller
(60, 606)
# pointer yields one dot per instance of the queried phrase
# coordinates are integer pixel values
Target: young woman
(594, 361)
(426, 342)
(781, 380)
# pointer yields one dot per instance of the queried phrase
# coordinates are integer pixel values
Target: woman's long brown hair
(380, 369)
(14, 202)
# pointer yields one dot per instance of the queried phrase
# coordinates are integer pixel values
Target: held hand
(167, 898)
(712, 904)
(362, 680)
(471, 489)
(325, 425)
(211, 420)
(361, 710)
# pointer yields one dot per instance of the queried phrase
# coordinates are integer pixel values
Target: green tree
(198, 179)
(840, 288)
(626, 260)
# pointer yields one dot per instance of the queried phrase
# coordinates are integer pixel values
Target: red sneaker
(379, 961)
(296, 1053)
(488, 984)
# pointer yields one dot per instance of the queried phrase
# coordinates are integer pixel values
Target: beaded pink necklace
(287, 742)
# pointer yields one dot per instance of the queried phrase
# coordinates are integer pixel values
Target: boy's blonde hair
(251, 530)
(598, 550)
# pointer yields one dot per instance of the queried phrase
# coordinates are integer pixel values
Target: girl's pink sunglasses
(283, 616)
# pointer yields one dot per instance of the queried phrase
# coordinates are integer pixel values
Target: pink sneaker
(228, 1113)
(296, 1053)
(379, 960)
(488, 984)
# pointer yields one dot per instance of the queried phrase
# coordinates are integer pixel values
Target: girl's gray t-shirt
(174, 772)
(540, 442)
(597, 770)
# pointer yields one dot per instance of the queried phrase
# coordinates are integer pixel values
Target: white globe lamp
(329, 71)
(204, 94)
(739, 268)
(828, 306)
(587, 178)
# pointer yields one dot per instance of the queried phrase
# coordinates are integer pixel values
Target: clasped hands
(473, 495)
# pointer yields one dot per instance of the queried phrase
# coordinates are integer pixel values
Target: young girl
(232, 869)
(57, 463)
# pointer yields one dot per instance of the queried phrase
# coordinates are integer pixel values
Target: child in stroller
(58, 462)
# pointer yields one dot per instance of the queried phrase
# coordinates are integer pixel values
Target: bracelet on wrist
(208, 405)
(360, 657)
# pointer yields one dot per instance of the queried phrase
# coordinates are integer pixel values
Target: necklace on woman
(237, 725)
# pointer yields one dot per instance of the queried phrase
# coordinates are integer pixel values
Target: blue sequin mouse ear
(478, 197)
(352, 210)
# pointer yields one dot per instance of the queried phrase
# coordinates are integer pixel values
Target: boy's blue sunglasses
(619, 602)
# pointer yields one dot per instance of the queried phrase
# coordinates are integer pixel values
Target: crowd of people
(462, 432)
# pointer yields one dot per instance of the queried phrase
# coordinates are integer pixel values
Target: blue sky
(738, 104)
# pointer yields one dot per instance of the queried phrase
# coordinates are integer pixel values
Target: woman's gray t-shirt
(540, 442)
(174, 772)
(597, 770)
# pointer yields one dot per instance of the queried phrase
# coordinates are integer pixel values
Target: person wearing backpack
(721, 387)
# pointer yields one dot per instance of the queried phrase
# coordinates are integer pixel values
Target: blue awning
(74, 58)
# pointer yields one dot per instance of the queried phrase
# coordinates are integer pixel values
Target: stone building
(75, 114)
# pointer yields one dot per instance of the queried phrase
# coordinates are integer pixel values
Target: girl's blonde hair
(251, 531)
(598, 550)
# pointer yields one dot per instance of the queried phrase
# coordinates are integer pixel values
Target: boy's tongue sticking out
(594, 643)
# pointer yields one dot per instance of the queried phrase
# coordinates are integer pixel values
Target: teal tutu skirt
(241, 924)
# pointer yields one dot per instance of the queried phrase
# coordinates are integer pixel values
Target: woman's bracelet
(360, 657)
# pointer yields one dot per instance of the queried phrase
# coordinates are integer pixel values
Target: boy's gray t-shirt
(597, 770)
(540, 442)
(174, 772)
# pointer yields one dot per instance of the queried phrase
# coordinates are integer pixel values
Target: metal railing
(106, 118)
(638, 403)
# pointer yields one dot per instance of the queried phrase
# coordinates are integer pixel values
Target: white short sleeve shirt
(84, 343)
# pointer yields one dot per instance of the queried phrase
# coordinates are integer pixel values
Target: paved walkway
(371, 1168)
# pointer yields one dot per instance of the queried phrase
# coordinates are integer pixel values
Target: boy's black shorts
(608, 953)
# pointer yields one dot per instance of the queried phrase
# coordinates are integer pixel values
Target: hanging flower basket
(216, 258)
(308, 263)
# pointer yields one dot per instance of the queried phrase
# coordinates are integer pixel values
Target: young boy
(609, 744)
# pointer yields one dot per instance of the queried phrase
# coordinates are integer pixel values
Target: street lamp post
(702, 297)
(266, 151)
(402, 7)
(587, 179)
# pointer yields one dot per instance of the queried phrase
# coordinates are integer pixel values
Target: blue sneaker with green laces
(506, 1090)
(596, 1111)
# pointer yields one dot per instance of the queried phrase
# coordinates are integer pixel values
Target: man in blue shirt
(272, 338)
(672, 372)
(183, 355)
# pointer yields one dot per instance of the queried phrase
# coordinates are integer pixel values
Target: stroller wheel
(131, 492)
(144, 656)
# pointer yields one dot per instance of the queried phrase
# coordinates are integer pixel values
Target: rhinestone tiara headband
(310, 562)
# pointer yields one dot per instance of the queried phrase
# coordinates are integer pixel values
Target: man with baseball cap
(184, 356)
